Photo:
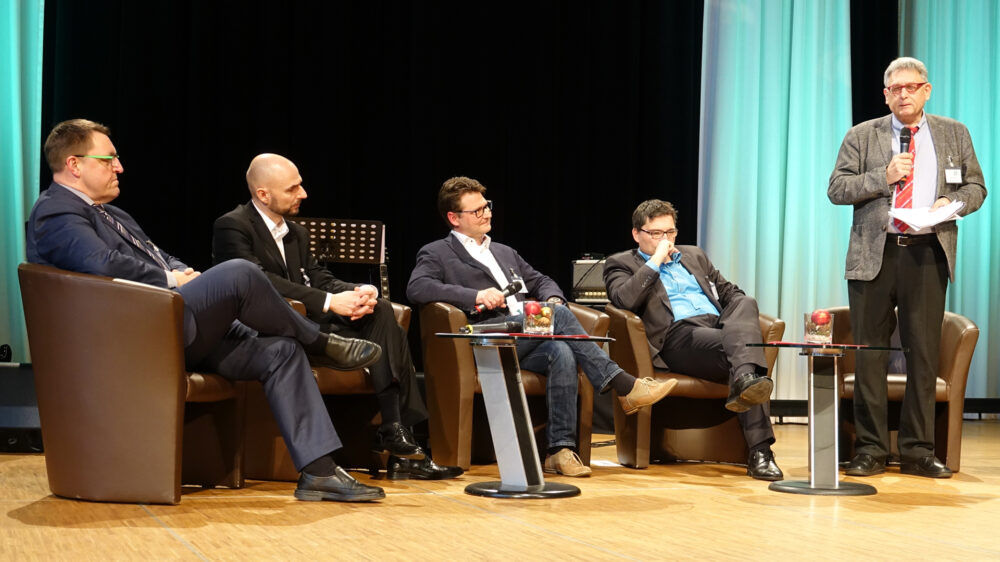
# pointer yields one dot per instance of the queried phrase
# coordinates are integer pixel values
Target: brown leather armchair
(958, 342)
(121, 419)
(691, 423)
(355, 419)
(459, 430)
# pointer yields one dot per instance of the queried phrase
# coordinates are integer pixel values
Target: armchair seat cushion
(332, 381)
(693, 387)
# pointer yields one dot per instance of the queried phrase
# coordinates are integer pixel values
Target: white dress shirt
(482, 254)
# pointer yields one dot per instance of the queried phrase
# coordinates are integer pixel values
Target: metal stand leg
(824, 405)
(510, 427)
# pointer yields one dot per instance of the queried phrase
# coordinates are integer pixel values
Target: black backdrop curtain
(569, 112)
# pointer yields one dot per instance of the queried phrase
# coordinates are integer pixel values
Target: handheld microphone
(904, 146)
(514, 287)
(485, 328)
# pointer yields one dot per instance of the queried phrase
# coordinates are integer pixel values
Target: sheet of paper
(924, 217)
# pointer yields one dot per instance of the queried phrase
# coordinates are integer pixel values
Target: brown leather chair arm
(958, 342)
(771, 329)
(630, 348)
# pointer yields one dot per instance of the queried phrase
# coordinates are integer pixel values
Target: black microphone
(488, 327)
(904, 146)
(514, 287)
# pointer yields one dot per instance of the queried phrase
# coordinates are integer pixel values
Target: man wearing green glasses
(697, 322)
(905, 160)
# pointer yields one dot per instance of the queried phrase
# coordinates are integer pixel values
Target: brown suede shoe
(567, 463)
(645, 392)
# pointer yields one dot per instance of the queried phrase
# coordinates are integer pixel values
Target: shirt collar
(674, 258)
(278, 231)
(78, 193)
(470, 244)
(897, 125)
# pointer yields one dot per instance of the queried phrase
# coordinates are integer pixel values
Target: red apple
(820, 317)
(532, 308)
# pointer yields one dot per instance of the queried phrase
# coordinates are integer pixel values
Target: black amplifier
(588, 282)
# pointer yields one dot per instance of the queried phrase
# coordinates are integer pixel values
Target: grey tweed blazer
(859, 180)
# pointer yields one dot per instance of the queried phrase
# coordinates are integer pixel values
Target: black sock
(623, 383)
(323, 466)
(766, 445)
(318, 347)
(388, 403)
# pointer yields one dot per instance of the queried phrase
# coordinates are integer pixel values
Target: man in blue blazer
(467, 268)
(258, 232)
(235, 323)
(890, 264)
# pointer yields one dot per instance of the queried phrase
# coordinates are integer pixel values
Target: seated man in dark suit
(467, 268)
(698, 323)
(235, 323)
(258, 232)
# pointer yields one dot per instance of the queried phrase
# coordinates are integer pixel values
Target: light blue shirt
(685, 294)
(925, 168)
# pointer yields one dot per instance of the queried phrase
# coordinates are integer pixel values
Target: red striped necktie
(904, 189)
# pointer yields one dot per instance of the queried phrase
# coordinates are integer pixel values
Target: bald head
(275, 185)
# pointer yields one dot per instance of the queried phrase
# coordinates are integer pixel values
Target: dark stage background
(569, 112)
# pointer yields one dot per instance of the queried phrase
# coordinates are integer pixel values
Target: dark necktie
(904, 194)
(152, 253)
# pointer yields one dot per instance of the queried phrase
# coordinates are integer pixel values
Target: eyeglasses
(910, 88)
(109, 159)
(659, 234)
(478, 213)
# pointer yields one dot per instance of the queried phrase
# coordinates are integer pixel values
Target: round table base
(549, 490)
(804, 487)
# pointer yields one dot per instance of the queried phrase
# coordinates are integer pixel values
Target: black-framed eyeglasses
(659, 234)
(109, 159)
(478, 213)
(911, 88)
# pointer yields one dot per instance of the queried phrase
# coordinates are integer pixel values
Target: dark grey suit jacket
(242, 233)
(859, 180)
(637, 288)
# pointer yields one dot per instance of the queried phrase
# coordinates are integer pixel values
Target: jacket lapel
(467, 258)
(265, 239)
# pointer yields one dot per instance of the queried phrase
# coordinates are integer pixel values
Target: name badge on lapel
(952, 174)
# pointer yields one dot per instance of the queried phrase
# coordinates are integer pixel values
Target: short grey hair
(904, 63)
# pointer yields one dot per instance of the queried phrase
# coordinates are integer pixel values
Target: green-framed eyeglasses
(110, 159)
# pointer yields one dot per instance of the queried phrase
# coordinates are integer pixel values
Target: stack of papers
(924, 217)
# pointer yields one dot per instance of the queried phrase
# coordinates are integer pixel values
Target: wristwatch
(555, 300)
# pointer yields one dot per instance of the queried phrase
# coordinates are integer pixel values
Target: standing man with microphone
(908, 159)
(467, 269)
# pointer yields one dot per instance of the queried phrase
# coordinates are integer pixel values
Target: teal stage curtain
(20, 154)
(776, 102)
(959, 43)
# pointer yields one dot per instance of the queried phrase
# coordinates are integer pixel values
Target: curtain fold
(20, 153)
(959, 43)
(776, 102)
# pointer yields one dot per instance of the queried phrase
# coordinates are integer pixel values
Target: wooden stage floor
(666, 512)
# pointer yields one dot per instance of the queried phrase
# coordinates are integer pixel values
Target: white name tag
(953, 175)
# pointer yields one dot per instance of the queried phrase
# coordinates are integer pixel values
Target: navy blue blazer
(65, 232)
(445, 271)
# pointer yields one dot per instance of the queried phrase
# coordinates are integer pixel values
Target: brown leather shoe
(645, 392)
(567, 463)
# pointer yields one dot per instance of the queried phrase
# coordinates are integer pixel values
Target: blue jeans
(558, 361)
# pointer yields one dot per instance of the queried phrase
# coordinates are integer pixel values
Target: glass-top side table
(513, 436)
(824, 420)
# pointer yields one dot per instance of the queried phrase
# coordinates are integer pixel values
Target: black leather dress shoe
(401, 469)
(748, 390)
(865, 465)
(928, 467)
(341, 487)
(761, 466)
(351, 353)
(397, 440)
